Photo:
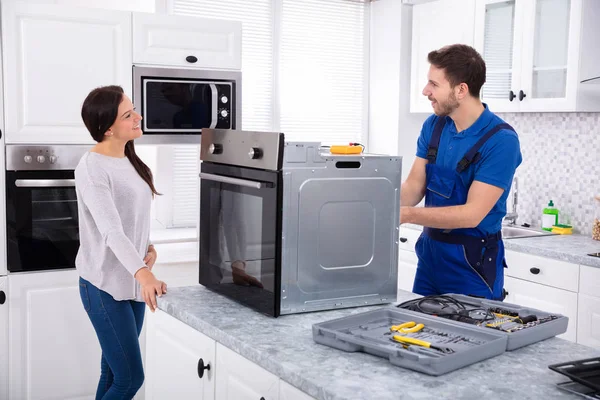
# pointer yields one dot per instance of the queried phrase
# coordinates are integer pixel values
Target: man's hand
(150, 258)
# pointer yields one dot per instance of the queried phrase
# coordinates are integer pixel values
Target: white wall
(392, 129)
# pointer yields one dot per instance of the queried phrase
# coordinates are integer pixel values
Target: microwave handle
(232, 181)
(45, 182)
(215, 106)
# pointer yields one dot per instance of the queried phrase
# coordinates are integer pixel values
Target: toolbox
(521, 325)
(416, 341)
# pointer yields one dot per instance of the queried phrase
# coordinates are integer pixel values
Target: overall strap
(473, 154)
(434, 142)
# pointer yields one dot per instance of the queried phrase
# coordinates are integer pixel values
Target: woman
(114, 193)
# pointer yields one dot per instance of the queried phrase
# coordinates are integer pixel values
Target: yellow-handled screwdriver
(417, 342)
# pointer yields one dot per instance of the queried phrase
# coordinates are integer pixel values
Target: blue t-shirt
(500, 157)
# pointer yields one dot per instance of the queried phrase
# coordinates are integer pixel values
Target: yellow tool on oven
(407, 327)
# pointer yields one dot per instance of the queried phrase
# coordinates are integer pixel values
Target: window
(305, 73)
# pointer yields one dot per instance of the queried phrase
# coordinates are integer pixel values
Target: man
(466, 160)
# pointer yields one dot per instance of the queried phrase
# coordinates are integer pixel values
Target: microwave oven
(177, 103)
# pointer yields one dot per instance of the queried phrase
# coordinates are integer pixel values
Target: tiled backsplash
(561, 161)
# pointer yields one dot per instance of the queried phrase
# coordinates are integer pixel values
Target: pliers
(407, 327)
(409, 340)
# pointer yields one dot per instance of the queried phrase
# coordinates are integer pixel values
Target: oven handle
(215, 106)
(45, 182)
(232, 181)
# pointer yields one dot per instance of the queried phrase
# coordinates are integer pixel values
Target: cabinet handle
(511, 95)
(202, 367)
(262, 398)
(2, 297)
(403, 239)
(191, 59)
(534, 270)
(522, 95)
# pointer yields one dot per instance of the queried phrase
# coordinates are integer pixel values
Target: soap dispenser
(549, 217)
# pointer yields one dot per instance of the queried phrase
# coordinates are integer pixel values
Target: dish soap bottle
(549, 217)
(596, 226)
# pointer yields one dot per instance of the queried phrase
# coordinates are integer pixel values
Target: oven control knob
(224, 113)
(224, 99)
(41, 159)
(28, 159)
(215, 148)
(255, 153)
(52, 159)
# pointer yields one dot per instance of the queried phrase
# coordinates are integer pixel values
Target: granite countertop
(284, 346)
(571, 248)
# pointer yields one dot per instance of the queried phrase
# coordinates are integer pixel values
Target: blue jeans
(118, 325)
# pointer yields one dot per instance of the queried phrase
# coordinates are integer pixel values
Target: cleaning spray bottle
(549, 216)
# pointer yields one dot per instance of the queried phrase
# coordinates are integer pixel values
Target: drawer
(408, 238)
(589, 282)
(546, 271)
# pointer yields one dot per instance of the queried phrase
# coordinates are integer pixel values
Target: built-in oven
(41, 207)
(177, 103)
(288, 227)
(241, 218)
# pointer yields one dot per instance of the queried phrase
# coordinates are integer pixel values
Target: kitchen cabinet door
(588, 321)
(185, 41)
(288, 392)
(240, 379)
(407, 269)
(544, 298)
(588, 316)
(3, 269)
(176, 356)
(436, 24)
(53, 56)
(3, 338)
(53, 349)
(498, 32)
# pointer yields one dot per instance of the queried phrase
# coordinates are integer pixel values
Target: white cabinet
(53, 349)
(407, 258)
(544, 283)
(544, 298)
(434, 25)
(180, 361)
(3, 338)
(588, 317)
(186, 41)
(537, 52)
(3, 270)
(240, 379)
(53, 57)
(176, 353)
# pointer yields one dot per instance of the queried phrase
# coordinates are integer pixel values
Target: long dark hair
(99, 112)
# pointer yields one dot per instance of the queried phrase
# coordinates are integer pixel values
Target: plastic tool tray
(522, 325)
(441, 346)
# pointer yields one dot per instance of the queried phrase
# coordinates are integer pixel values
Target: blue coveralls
(462, 261)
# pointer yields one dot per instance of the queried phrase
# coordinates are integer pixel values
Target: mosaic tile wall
(561, 161)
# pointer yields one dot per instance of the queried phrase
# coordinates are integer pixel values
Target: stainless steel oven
(177, 103)
(287, 227)
(41, 207)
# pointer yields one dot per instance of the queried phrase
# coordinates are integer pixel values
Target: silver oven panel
(38, 158)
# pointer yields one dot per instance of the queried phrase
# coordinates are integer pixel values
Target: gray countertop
(570, 248)
(284, 346)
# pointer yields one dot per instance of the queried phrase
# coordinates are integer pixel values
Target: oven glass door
(240, 235)
(42, 221)
(186, 106)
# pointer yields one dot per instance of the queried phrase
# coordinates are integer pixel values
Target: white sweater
(114, 224)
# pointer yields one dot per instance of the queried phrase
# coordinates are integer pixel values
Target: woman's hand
(150, 258)
(150, 286)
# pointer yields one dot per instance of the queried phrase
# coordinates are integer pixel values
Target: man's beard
(447, 107)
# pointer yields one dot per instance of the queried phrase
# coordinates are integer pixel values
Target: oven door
(41, 220)
(240, 234)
